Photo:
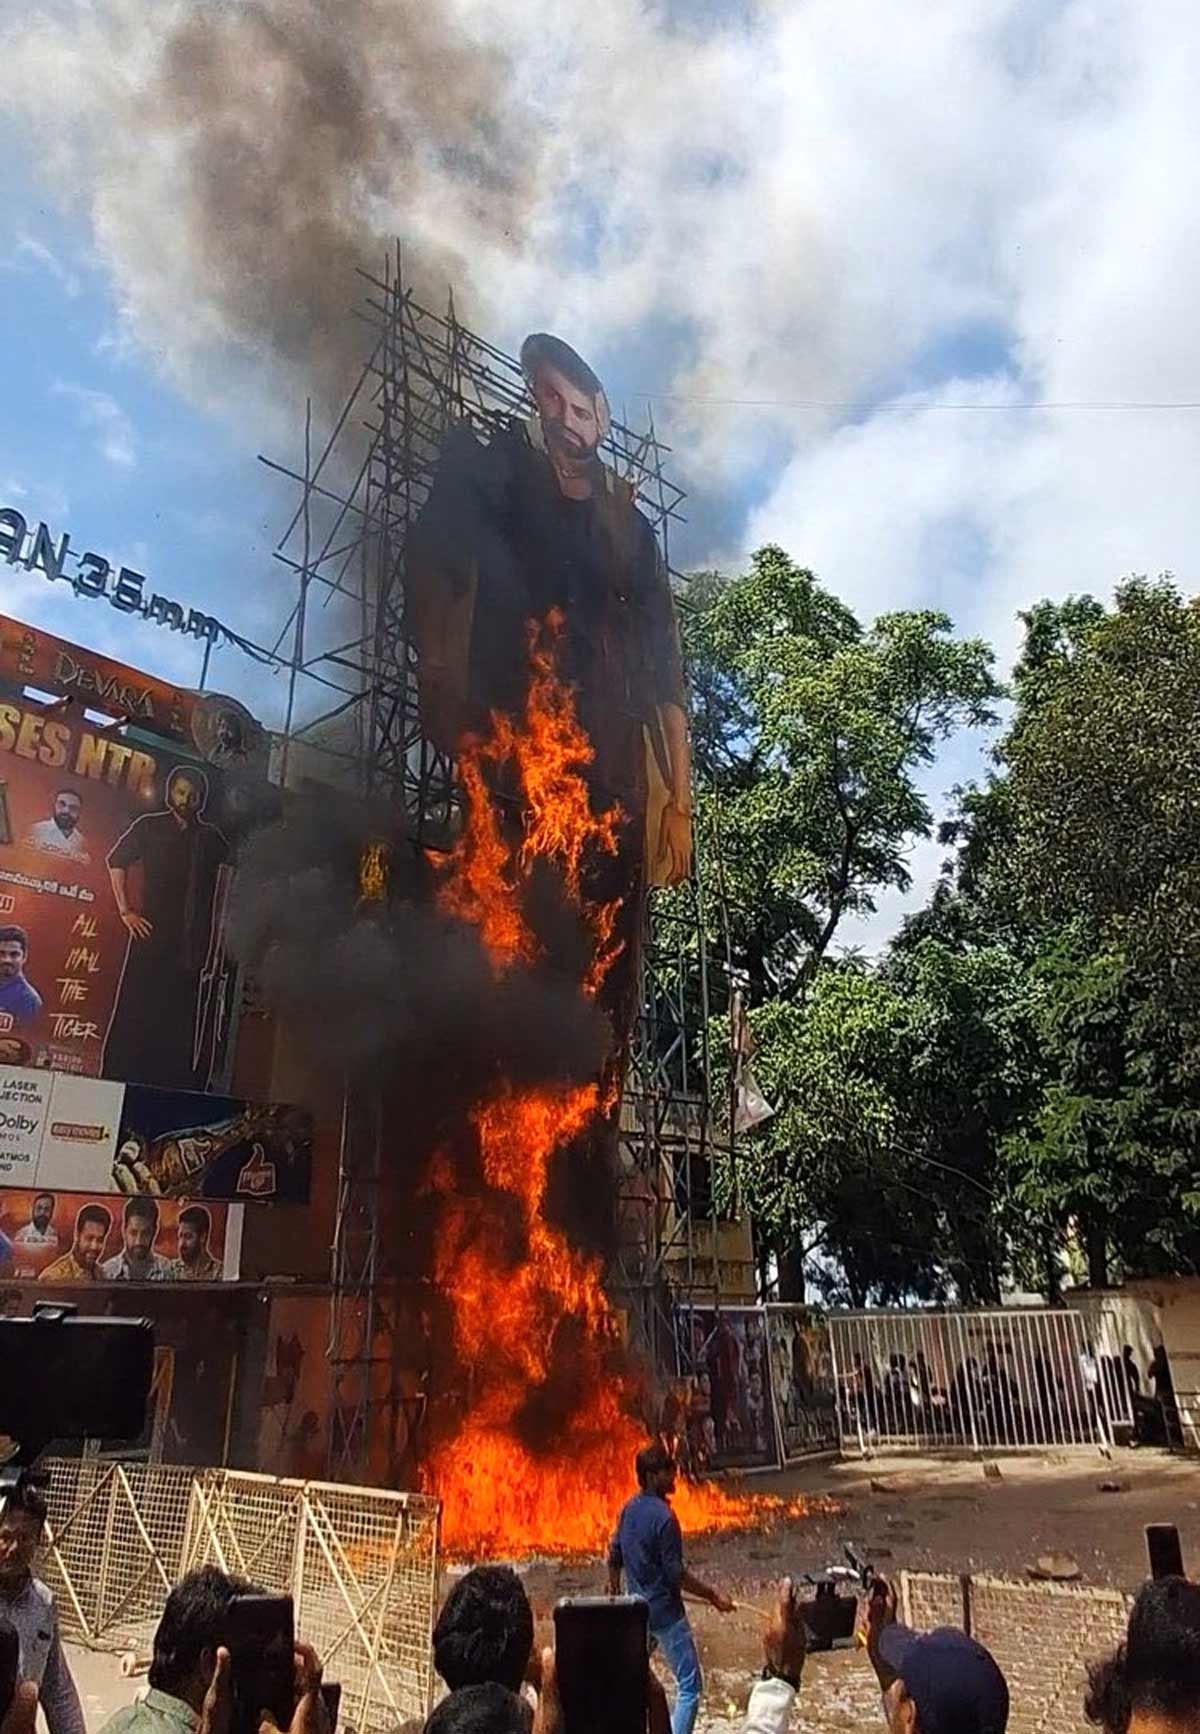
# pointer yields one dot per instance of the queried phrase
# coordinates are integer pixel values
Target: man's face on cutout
(570, 416)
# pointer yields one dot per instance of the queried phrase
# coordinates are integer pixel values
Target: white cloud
(102, 415)
(795, 200)
(31, 252)
(35, 498)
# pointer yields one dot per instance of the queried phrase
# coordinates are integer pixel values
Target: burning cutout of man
(534, 521)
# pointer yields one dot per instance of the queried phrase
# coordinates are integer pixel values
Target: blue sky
(883, 277)
(93, 441)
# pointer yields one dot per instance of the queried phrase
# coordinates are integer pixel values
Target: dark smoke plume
(241, 158)
(410, 991)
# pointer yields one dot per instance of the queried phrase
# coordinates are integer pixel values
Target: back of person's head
(1156, 1671)
(652, 1460)
(488, 1708)
(193, 1624)
(946, 1683)
(484, 1632)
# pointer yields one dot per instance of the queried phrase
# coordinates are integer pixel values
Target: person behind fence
(1151, 1685)
(648, 1549)
(939, 1682)
(484, 1633)
(28, 1606)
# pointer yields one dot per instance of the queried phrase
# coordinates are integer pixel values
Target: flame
(531, 1322)
(373, 872)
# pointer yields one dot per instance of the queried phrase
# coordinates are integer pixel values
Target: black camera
(70, 1378)
(830, 1617)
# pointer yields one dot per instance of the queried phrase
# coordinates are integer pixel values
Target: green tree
(1103, 764)
(1109, 1148)
(1081, 857)
(811, 731)
(896, 1088)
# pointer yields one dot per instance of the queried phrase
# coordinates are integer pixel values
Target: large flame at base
(544, 1452)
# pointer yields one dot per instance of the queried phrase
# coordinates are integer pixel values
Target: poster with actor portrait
(85, 1239)
(732, 1421)
(802, 1381)
(116, 858)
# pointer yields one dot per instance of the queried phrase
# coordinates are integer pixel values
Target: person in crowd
(190, 1684)
(865, 1394)
(137, 1260)
(1132, 1377)
(184, 1666)
(82, 1263)
(1159, 1375)
(28, 1607)
(648, 1549)
(966, 1396)
(785, 1645)
(484, 1708)
(548, 1717)
(923, 1387)
(21, 1716)
(1152, 1684)
(484, 1633)
(939, 1682)
(896, 1395)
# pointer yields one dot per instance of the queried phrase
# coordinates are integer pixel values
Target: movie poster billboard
(116, 858)
(62, 1132)
(81, 1238)
(732, 1422)
(802, 1381)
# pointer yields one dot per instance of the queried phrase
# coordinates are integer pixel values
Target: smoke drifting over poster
(116, 854)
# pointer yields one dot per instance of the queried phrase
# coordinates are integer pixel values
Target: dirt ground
(914, 1513)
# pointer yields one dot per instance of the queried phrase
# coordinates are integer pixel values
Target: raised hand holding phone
(602, 1664)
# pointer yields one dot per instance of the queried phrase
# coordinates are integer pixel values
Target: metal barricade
(361, 1564)
(1006, 1380)
(114, 1544)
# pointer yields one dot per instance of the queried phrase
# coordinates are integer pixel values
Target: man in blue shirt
(17, 997)
(648, 1548)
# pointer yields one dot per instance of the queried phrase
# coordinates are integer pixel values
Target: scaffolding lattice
(353, 718)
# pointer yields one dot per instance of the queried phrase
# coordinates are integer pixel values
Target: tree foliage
(810, 732)
(1023, 1068)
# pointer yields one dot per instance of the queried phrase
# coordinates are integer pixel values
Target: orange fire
(531, 1323)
